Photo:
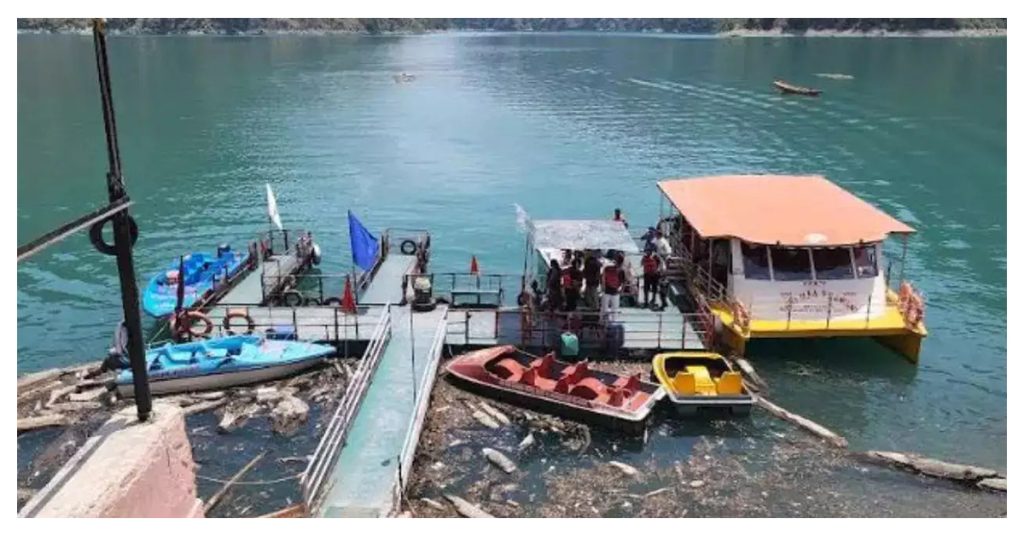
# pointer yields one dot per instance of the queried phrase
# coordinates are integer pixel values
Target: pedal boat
(204, 273)
(223, 362)
(573, 391)
(701, 380)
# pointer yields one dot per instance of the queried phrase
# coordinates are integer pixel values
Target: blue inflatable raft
(203, 273)
(223, 362)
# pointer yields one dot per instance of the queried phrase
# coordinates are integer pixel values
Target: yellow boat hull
(695, 381)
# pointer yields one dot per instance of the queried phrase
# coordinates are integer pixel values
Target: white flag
(272, 212)
(522, 219)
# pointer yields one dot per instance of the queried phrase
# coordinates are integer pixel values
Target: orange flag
(474, 268)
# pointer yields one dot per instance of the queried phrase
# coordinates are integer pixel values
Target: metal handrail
(325, 455)
(423, 391)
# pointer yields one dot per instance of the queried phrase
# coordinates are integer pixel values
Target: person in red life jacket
(653, 267)
(554, 286)
(572, 283)
(612, 278)
(619, 217)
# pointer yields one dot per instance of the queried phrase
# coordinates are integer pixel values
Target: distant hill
(375, 26)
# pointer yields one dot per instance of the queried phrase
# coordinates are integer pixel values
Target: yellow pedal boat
(701, 380)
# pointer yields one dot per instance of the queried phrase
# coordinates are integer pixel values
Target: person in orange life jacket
(554, 286)
(612, 278)
(652, 265)
(619, 217)
(572, 283)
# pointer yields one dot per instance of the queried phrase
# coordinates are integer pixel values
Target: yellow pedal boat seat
(730, 383)
(684, 383)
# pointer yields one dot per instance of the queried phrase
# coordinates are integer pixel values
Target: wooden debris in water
(626, 469)
(497, 458)
(995, 484)
(432, 503)
(750, 373)
(211, 503)
(87, 396)
(209, 395)
(933, 467)
(465, 508)
(59, 393)
(288, 415)
(204, 406)
(494, 412)
(486, 420)
(295, 510)
(831, 437)
(42, 421)
(527, 441)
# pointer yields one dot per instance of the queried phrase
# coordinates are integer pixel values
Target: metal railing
(540, 329)
(421, 405)
(450, 286)
(326, 454)
(320, 323)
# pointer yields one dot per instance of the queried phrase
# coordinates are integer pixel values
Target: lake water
(565, 125)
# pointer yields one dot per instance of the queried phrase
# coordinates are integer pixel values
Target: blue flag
(364, 245)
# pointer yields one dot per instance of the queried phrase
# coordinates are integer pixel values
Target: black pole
(122, 225)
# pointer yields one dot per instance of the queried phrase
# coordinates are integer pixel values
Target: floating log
(499, 459)
(486, 420)
(465, 508)
(75, 406)
(933, 467)
(295, 510)
(995, 484)
(209, 395)
(831, 437)
(626, 469)
(527, 441)
(749, 372)
(432, 503)
(87, 396)
(204, 406)
(59, 393)
(38, 390)
(34, 379)
(42, 421)
(216, 497)
(494, 412)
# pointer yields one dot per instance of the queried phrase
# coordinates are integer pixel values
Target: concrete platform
(126, 469)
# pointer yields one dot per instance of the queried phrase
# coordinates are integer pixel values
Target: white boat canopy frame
(582, 235)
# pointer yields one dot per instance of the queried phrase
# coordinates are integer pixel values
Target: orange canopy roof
(768, 209)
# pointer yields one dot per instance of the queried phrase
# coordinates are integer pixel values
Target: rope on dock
(249, 482)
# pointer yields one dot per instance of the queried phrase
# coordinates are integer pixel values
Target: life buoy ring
(250, 325)
(96, 235)
(292, 298)
(312, 301)
(411, 247)
(316, 255)
(334, 302)
(185, 322)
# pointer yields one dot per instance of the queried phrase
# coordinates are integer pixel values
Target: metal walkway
(382, 438)
(270, 275)
(386, 286)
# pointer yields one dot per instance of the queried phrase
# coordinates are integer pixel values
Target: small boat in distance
(202, 272)
(569, 390)
(223, 362)
(786, 87)
(701, 380)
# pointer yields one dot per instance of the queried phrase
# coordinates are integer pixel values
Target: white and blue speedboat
(200, 272)
(223, 362)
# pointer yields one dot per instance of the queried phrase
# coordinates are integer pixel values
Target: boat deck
(386, 286)
(385, 431)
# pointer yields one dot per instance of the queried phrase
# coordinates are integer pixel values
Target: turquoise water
(565, 125)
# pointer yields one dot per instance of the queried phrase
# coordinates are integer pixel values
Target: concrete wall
(126, 469)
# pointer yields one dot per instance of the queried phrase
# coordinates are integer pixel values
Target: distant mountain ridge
(232, 26)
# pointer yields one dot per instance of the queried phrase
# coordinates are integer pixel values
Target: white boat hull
(209, 382)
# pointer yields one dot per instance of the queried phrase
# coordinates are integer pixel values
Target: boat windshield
(832, 263)
(755, 261)
(791, 264)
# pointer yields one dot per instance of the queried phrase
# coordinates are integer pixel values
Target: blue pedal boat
(203, 273)
(223, 362)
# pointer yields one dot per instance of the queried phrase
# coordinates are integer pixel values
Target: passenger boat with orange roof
(574, 391)
(792, 257)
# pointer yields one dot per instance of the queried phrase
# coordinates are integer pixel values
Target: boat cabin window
(755, 261)
(865, 261)
(791, 264)
(832, 263)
